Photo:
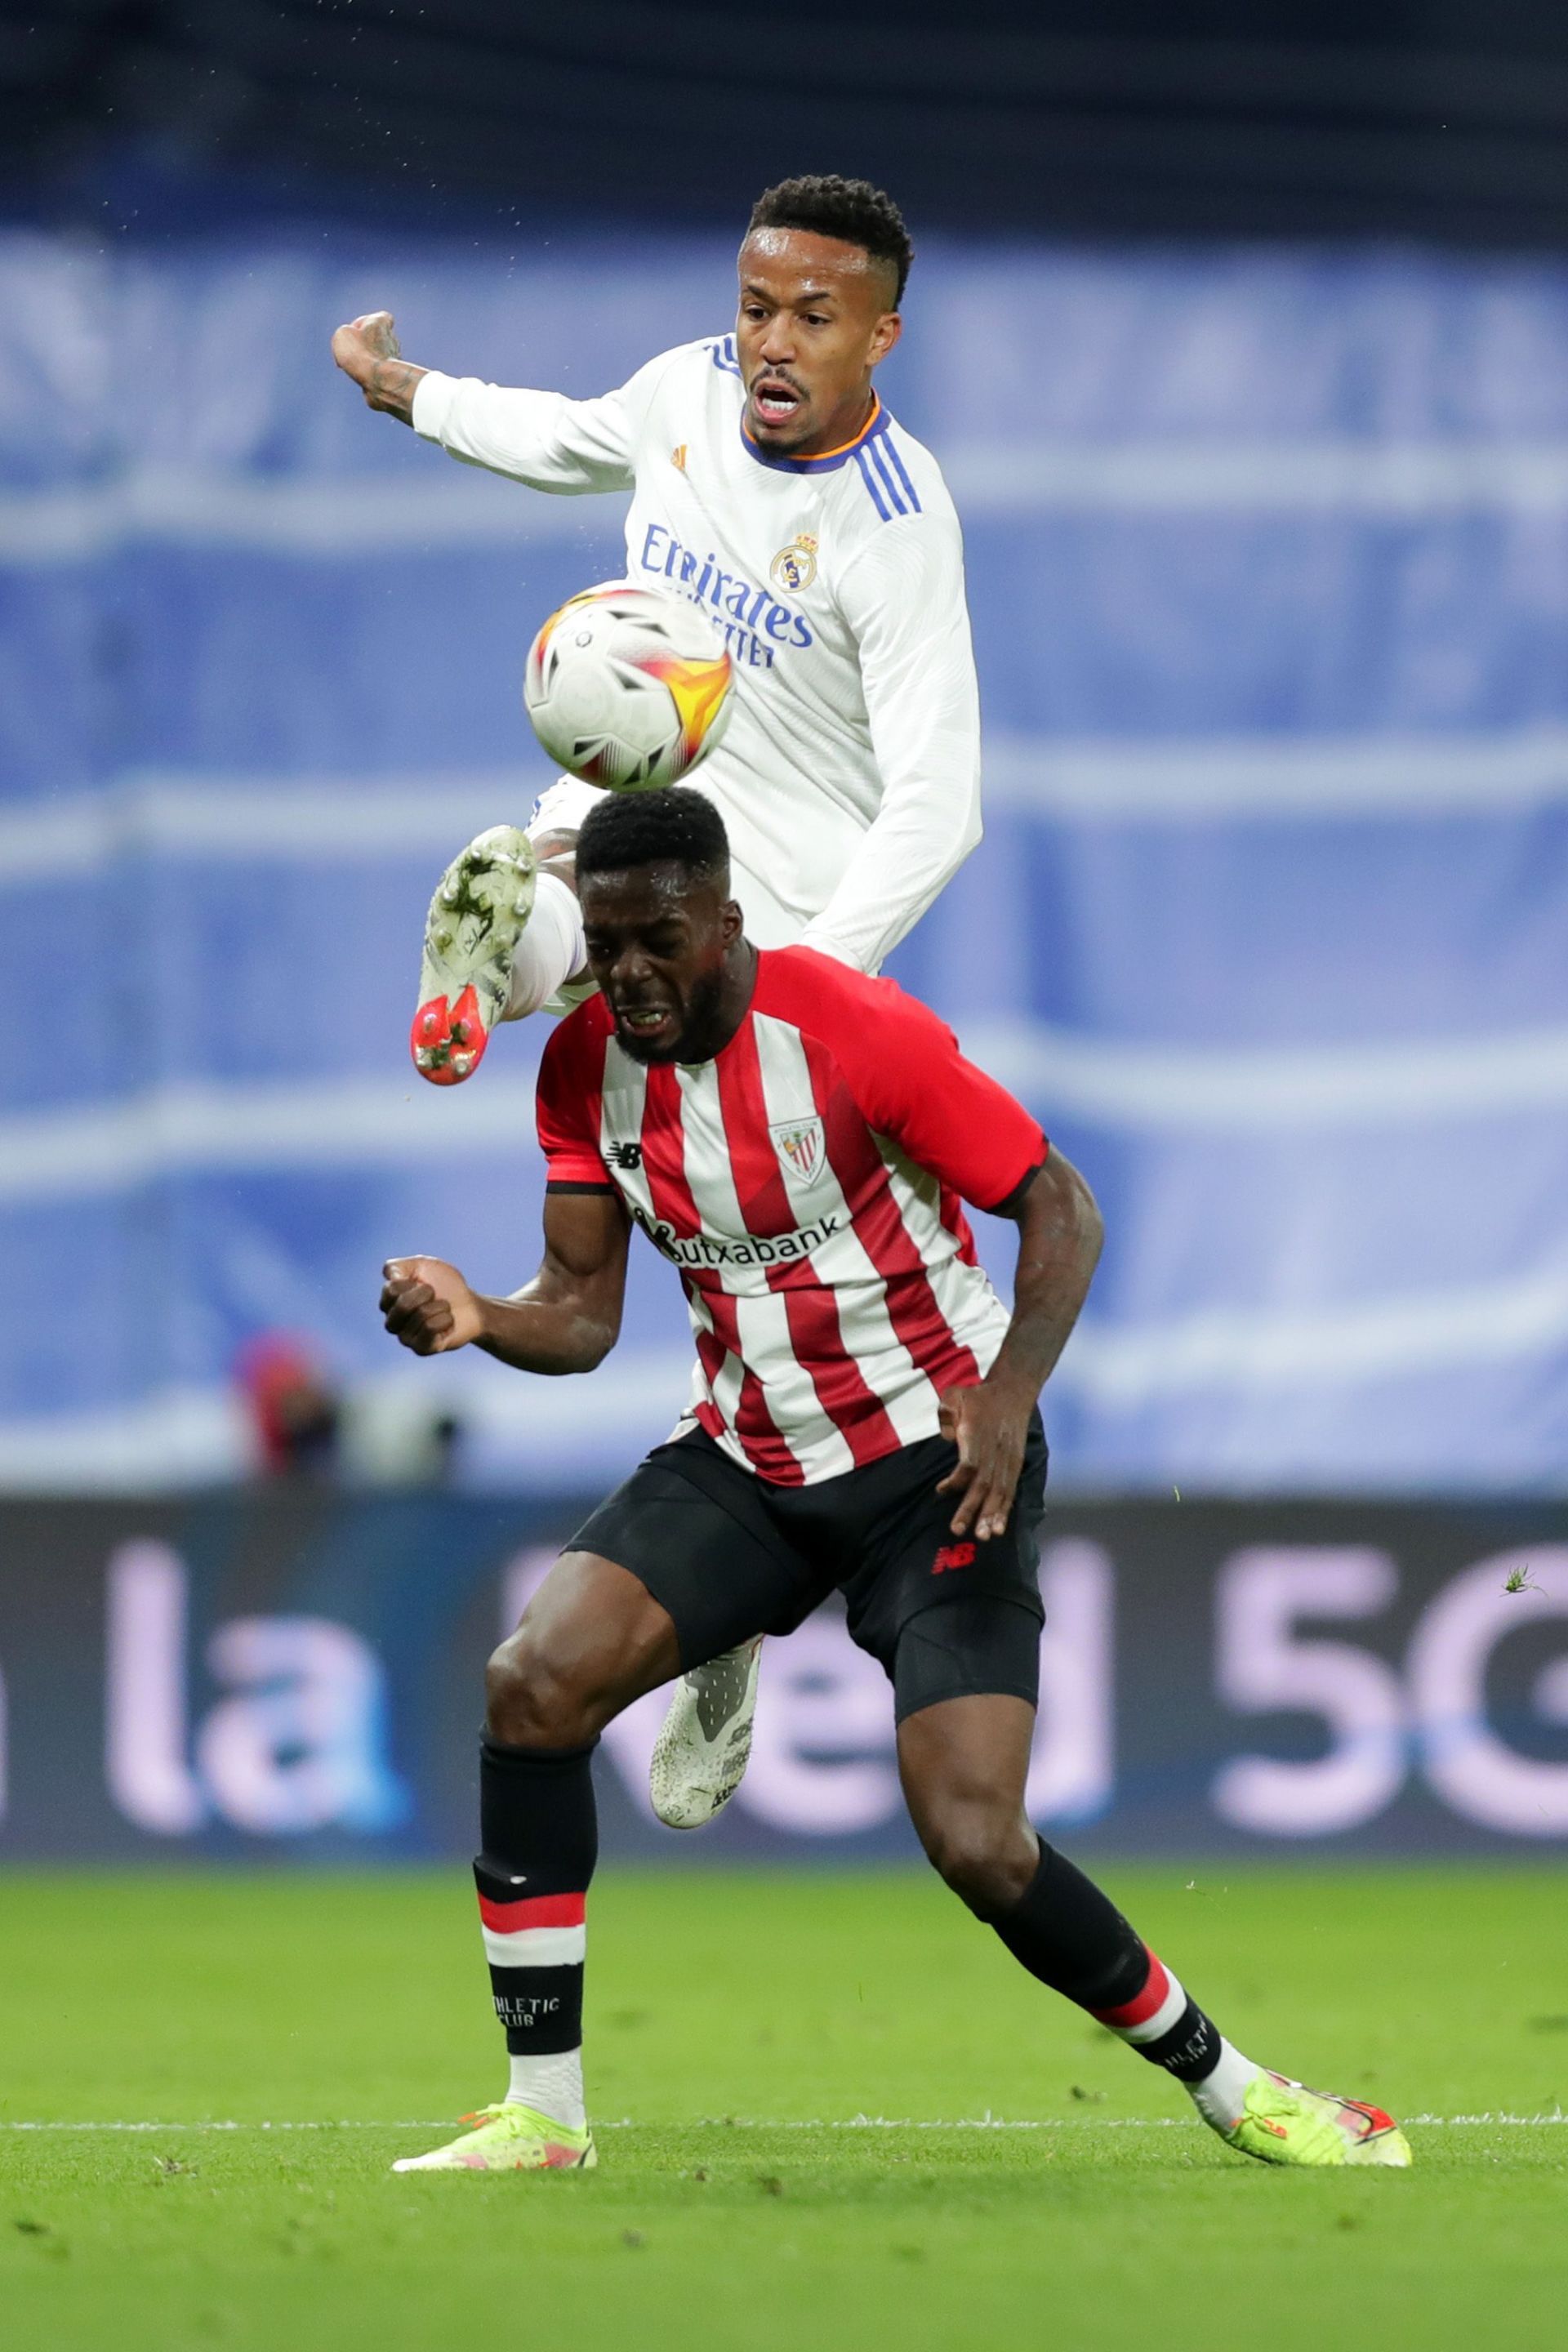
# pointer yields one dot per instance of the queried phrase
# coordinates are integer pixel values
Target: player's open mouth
(773, 402)
(646, 1022)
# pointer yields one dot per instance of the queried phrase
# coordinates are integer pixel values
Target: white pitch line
(1487, 2119)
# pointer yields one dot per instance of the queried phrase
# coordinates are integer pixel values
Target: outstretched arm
(1060, 1236)
(367, 351)
(565, 1320)
(539, 438)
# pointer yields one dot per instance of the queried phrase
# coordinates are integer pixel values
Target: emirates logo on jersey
(799, 1144)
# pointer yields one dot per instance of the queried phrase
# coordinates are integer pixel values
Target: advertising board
(295, 1673)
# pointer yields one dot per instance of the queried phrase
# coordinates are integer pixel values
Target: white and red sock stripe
(1157, 2010)
(1219, 2092)
(539, 1931)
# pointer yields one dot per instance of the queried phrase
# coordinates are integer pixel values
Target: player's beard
(701, 1032)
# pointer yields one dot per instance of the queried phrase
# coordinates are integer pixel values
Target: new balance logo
(953, 1556)
(626, 1155)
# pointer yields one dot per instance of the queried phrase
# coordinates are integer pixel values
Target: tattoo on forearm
(391, 387)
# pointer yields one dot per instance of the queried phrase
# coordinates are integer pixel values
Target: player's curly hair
(627, 829)
(851, 210)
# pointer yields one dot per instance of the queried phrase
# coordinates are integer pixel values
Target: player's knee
(532, 1700)
(987, 1856)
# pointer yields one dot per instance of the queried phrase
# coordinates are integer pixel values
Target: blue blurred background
(1268, 564)
(1245, 350)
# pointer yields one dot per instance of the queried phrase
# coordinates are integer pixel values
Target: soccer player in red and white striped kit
(797, 1139)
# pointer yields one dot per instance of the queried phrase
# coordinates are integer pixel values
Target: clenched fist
(426, 1306)
(367, 350)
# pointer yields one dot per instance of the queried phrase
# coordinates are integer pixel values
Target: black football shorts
(729, 1555)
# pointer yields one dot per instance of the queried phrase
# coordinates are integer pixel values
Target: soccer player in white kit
(770, 486)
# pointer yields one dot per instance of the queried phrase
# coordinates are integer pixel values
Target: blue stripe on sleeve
(869, 481)
(891, 448)
(875, 450)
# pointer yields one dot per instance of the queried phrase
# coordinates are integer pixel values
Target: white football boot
(705, 1740)
(481, 906)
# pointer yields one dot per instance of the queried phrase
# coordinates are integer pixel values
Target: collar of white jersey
(876, 427)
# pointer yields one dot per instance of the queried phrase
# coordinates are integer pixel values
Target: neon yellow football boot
(509, 2138)
(1284, 2123)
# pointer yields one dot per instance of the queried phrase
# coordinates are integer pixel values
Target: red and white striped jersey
(807, 1186)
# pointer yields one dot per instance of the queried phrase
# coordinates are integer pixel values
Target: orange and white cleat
(479, 911)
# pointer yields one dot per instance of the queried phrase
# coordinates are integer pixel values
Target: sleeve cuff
(433, 396)
(1014, 1193)
(569, 1167)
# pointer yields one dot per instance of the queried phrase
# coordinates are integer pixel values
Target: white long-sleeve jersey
(848, 775)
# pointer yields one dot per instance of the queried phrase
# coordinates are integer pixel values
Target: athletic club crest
(799, 1145)
(795, 566)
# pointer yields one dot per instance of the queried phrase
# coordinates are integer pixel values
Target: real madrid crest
(795, 566)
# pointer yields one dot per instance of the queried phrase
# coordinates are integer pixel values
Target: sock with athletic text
(1073, 1938)
(540, 1840)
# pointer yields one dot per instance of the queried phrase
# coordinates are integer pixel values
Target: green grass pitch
(738, 2026)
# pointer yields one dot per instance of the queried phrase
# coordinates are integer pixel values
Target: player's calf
(987, 1852)
(1069, 1934)
(591, 1641)
(963, 1761)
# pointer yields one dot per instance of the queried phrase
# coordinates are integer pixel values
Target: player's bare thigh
(963, 1764)
(591, 1641)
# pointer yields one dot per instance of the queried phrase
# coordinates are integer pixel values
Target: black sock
(1073, 1938)
(540, 1834)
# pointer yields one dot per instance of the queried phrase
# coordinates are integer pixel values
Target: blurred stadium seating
(1268, 556)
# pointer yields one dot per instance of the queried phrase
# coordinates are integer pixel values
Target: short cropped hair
(673, 826)
(851, 210)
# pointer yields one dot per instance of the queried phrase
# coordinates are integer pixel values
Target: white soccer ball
(627, 688)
